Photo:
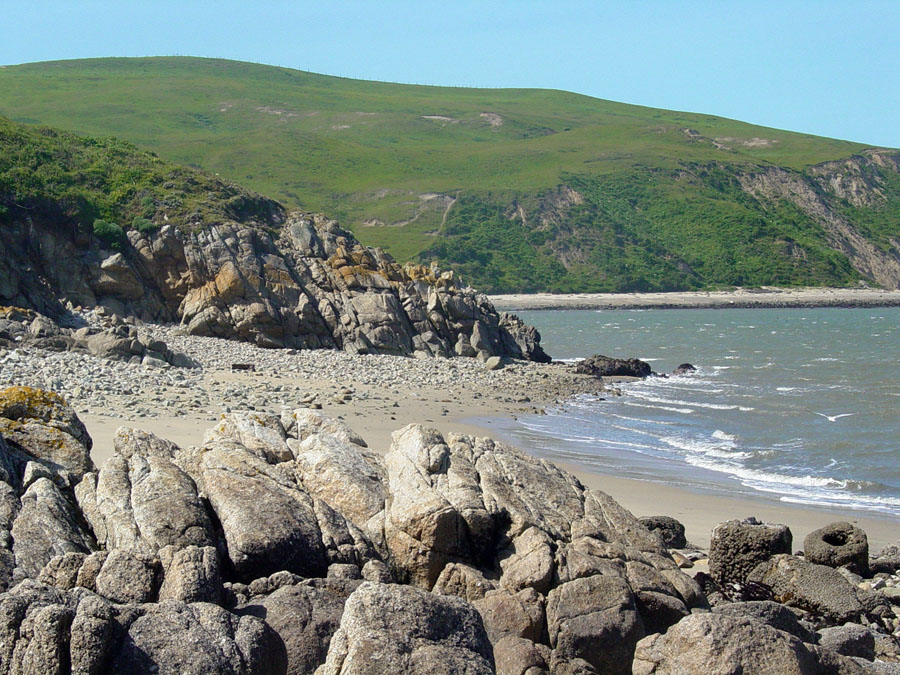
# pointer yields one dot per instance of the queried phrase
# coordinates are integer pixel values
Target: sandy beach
(375, 395)
(376, 420)
(739, 298)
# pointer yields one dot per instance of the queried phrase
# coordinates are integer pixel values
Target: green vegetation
(450, 173)
(109, 233)
(97, 183)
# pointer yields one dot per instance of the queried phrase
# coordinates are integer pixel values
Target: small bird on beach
(831, 418)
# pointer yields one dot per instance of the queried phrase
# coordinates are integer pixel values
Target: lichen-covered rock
(738, 546)
(838, 544)
(718, 644)
(402, 629)
(27, 404)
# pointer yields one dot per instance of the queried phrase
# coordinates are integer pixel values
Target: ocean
(795, 405)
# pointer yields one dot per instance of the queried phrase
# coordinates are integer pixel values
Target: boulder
(738, 546)
(304, 422)
(174, 638)
(818, 589)
(267, 522)
(719, 644)
(838, 544)
(595, 619)
(141, 499)
(347, 476)
(128, 577)
(671, 531)
(305, 616)
(517, 656)
(770, 613)
(47, 525)
(403, 629)
(260, 433)
(684, 369)
(518, 614)
(190, 574)
(39, 425)
(851, 639)
(605, 366)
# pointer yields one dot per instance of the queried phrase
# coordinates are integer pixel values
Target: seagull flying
(831, 418)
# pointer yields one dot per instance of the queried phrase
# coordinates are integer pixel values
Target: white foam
(723, 436)
(685, 411)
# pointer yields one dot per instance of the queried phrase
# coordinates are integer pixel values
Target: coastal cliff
(98, 223)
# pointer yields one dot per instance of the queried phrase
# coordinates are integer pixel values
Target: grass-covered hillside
(519, 189)
(108, 186)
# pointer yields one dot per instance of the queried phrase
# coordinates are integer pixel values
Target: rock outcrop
(605, 366)
(293, 281)
(283, 545)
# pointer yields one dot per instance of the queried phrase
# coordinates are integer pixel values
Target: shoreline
(375, 396)
(767, 297)
(699, 511)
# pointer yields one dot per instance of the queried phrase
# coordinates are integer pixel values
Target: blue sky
(823, 67)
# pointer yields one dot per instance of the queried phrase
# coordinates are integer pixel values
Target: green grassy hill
(519, 189)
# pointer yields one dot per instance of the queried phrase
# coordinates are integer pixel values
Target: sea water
(797, 405)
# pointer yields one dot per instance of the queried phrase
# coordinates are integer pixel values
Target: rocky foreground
(282, 544)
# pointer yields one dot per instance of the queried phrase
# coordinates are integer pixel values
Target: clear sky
(818, 66)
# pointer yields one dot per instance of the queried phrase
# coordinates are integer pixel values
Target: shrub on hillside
(109, 233)
(143, 225)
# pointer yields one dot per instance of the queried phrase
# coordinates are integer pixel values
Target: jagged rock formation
(283, 545)
(297, 281)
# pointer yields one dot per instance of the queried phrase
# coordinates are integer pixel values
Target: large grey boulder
(818, 589)
(851, 639)
(402, 629)
(141, 499)
(191, 574)
(302, 423)
(175, 638)
(269, 524)
(737, 546)
(128, 577)
(838, 544)
(718, 644)
(305, 616)
(595, 619)
(261, 434)
(771, 613)
(671, 531)
(344, 474)
(46, 526)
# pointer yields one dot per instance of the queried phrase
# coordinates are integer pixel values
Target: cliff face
(298, 282)
(860, 182)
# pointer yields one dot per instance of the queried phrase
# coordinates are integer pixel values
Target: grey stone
(838, 544)
(850, 640)
(410, 631)
(737, 546)
(129, 577)
(595, 619)
(771, 613)
(671, 531)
